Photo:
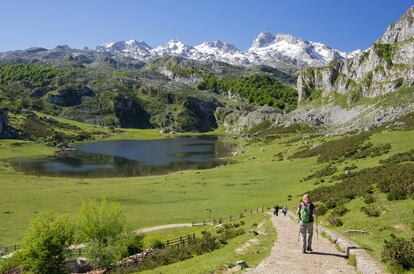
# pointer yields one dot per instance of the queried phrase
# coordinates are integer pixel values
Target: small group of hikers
(306, 212)
(276, 210)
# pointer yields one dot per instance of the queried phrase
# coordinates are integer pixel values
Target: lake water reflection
(131, 158)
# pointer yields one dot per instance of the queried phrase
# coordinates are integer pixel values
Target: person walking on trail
(276, 210)
(305, 212)
(284, 210)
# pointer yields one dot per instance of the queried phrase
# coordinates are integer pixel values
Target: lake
(131, 158)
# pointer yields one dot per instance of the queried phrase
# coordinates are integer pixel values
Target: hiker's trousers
(306, 229)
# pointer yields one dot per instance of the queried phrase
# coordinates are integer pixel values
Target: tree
(100, 221)
(45, 242)
(101, 224)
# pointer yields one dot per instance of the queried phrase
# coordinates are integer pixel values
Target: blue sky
(347, 25)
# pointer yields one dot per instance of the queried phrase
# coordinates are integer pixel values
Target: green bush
(100, 224)
(100, 221)
(369, 199)
(394, 179)
(129, 244)
(336, 150)
(158, 244)
(397, 194)
(340, 210)
(407, 156)
(14, 262)
(102, 255)
(399, 251)
(45, 242)
(326, 171)
(371, 211)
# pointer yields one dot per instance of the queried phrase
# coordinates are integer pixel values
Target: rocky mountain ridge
(266, 49)
(381, 69)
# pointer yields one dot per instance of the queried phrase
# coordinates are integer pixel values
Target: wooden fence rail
(171, 242)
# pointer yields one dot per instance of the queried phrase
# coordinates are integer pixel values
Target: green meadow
(257, 177)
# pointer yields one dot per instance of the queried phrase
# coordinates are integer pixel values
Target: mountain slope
(381, 69)
(370, 89)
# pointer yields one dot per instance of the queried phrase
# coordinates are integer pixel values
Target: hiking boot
(309, 249)
(304, 251)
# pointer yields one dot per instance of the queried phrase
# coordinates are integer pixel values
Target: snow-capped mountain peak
(290, 49)
(217, 45)
(267, 48)
(174, 47)
(263, 40)
(133, 48)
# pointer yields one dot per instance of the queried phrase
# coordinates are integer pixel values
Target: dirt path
(286, 256)
(160, 227)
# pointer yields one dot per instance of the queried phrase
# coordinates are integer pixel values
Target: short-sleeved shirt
(311, 208)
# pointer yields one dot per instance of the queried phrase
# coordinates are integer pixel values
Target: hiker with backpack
(305, 212)
(284, 210)
(276, 210)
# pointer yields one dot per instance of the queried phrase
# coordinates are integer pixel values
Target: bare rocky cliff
(381, 69)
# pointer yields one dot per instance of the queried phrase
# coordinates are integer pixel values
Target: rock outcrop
(381, 69)
(239, 120)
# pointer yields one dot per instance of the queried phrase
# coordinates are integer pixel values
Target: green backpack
(305, 213)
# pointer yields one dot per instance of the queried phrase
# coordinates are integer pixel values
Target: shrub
(399, 251)
(14, 262)
(101, 224)
(207, 243)
(369, 198)
(100, 221)
(326, 171)
(129, 244)
(394, 179)
(340, 210)
(101, 255)
(334, 219)
(396, 194)
(45, 242)
(371, 211)
(336, 150)
(158, 244)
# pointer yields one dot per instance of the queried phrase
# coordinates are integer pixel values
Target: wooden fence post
(192, 223)
(257, 210)
(251, 211)
(262, 209)
(230, 217)
(214, 222)
(168, 242)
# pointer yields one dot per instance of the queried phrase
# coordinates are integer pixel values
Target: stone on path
(286, 255)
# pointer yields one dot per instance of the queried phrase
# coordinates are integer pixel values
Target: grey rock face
(239, 120)
(400, 31)
(381, 69)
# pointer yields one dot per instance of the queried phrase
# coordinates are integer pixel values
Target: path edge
(365, 263)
